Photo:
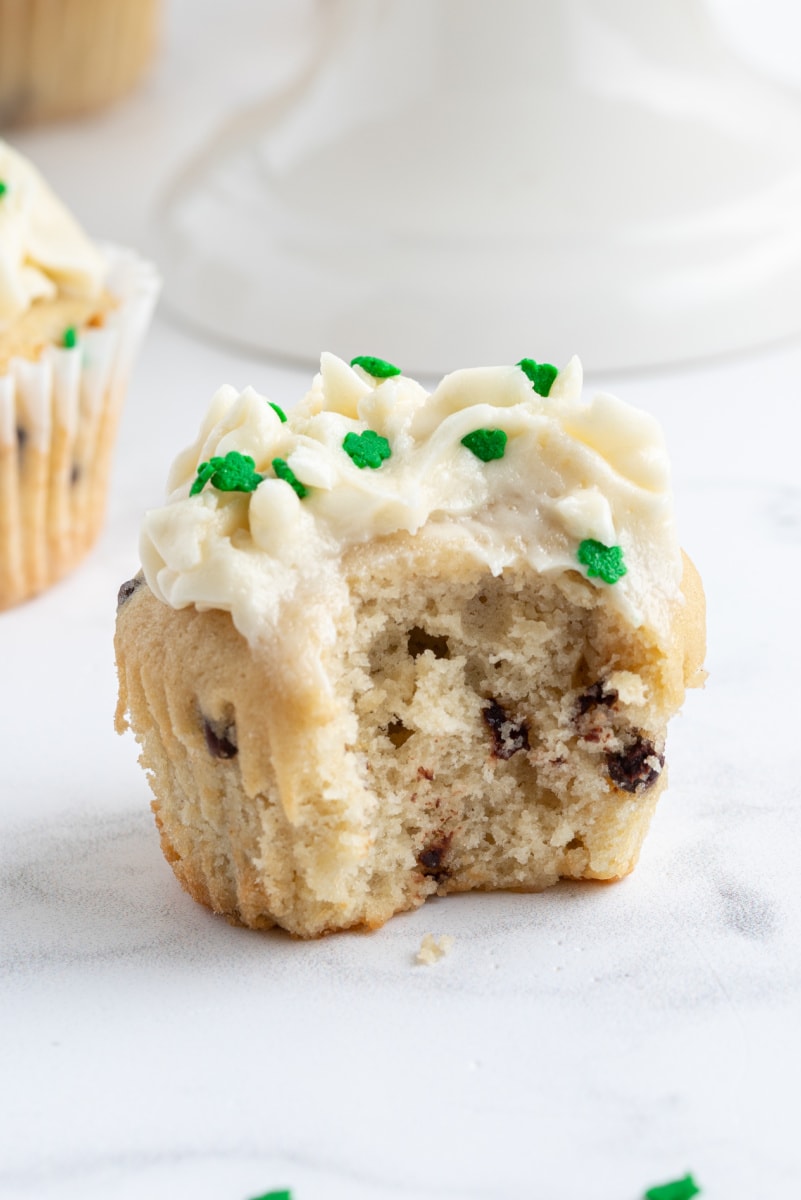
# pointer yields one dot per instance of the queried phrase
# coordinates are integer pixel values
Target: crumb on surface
(432, 949)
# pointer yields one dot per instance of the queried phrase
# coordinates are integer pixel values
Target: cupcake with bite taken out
(72, 316)
(396, 644)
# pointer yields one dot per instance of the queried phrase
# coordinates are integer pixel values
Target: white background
(583, 1043)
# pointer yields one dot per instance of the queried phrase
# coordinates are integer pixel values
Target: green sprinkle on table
(368, 449)
(285, 472)
(379, 368)
(70, 339)
(602, 562)
(279, 411)
(679, 1189)
(541, 375)
(486, 444)
(233, 473)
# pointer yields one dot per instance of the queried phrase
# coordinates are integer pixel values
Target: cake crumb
(629, 687)
(432, 949)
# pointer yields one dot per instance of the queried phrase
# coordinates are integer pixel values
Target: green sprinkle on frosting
(70, 337)
(280, 411)
(541, 375)
(283, 1194)
(680, 1189)
(368, 449)
(3, 188)
(486, 444)
(603, 562)
(379, 368)
(285, 472)
(233, 473)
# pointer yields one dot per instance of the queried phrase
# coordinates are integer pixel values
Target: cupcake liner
(43, 41)
(58, 420)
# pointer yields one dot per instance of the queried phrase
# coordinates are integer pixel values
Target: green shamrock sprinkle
(70, 337)
(368, 449)
(541, 375)
(204, 474)
(379, 368)
(280, 411)
(680, 1189)
(233, 473)
(605, 562)
(285, 472)
(3, 188)
(486, 444)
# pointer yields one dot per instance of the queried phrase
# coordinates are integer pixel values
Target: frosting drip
(569, 470)
(43, 251)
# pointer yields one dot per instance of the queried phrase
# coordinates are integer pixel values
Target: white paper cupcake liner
(58, 420)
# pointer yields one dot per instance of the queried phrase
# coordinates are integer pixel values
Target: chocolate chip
(128, 588)
(398, 734)
(420, 641)
(507, 736)
(220, 745)
(22, 437)
(75, 473)
(630, 769)
(431, 860)
(594, 696)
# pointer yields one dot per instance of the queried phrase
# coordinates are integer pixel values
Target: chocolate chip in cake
(22, 437)
(634, 769)
(128, 588)
(508, 737)
(431, 860)
(595, 695)
(420, 641)
(220, 744)
(75, 473)
(398, 734)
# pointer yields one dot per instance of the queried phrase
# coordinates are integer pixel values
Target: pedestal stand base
(459, 183)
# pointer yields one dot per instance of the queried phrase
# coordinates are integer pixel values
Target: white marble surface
(583, 1043)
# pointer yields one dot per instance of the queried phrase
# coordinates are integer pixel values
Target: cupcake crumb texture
(432, 949)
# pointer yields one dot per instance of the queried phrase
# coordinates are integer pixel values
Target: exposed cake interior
(490, 725)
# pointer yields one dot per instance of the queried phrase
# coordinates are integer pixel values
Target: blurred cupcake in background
(59, 58)
(72, 316)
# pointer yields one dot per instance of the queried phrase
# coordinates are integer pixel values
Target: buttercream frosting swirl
(43, 251)
(571, 470)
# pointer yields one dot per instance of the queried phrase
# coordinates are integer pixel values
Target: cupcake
(60, 58)
(72, 316)
(400, 644)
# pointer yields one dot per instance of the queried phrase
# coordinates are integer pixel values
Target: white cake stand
(458, 181)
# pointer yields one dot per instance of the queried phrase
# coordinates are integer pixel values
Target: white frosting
(572, 470)
(42, 249)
